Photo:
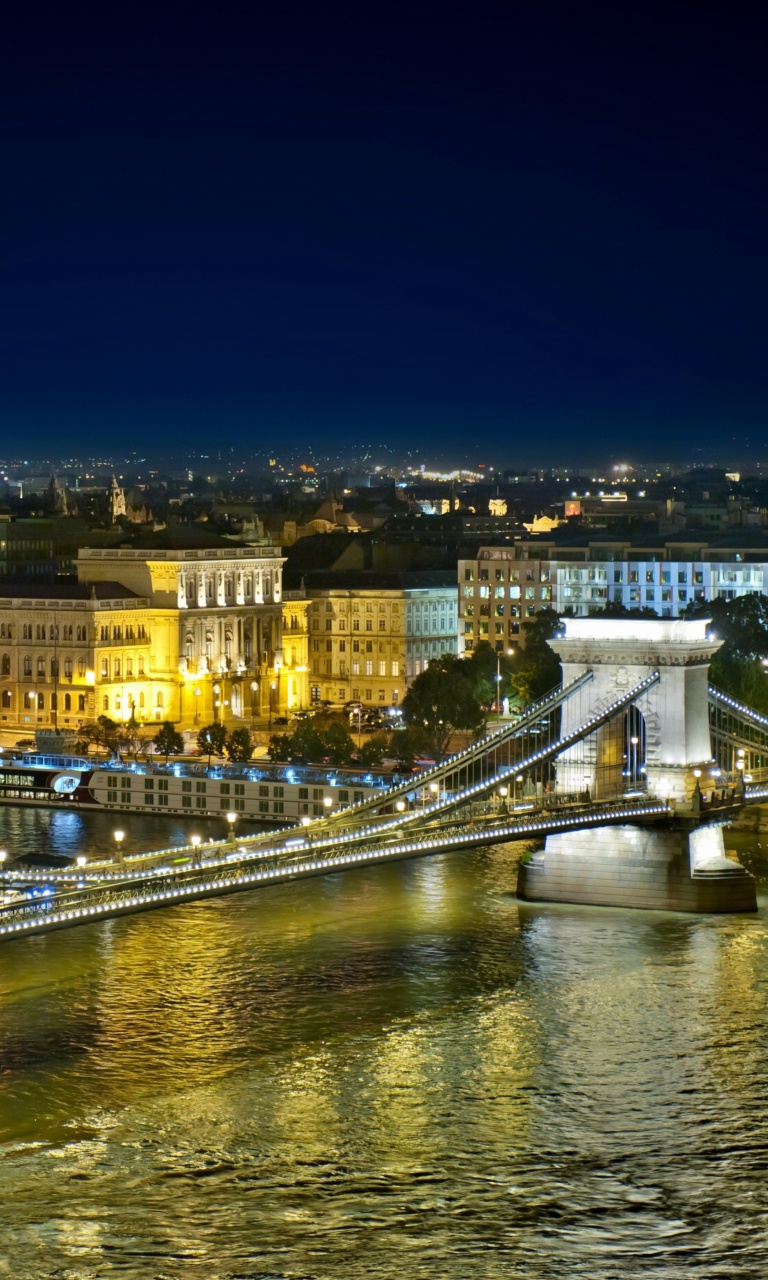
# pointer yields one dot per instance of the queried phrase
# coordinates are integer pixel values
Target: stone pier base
(629, 866)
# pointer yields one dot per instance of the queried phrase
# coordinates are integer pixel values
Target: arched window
(27, 665)
(54, 702)
(67, 701)
(41, 667)
(41, 702)
(6, 667)
(159, 700)
(635, 745)
(105, 703)
(81, 702)
(6, 699)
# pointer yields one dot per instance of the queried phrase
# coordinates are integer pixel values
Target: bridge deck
(86, 901)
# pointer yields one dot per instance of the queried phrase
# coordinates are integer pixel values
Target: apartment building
(370, 634)
(503, 587)
(497, 593)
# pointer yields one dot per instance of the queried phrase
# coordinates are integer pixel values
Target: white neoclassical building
(217, 634)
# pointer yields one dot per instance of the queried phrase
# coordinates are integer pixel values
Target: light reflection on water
(396, 1069)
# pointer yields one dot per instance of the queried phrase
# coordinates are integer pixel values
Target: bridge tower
(671, 720)
(662, 744)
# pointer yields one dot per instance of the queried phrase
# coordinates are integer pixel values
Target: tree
(373, 751)
(742, 625)
(131, 737)
(337, 745)
(168, 741)
(441, 700)
(305, 744)
(535, 667)
(211, 740)
(483, 666)
(239, 745)
(405, 745)
(279, 747)
(104, 733)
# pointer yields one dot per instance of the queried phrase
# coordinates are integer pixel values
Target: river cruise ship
(262, 791)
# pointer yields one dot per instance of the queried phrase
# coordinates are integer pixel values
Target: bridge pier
(671, 869)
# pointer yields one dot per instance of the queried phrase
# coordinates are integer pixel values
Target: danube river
(399, 1071)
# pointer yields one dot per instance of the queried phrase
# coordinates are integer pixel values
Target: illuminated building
(371, 633)
(73, 652)
(217, 624)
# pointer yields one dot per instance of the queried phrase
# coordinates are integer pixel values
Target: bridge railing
(739, 734)
(461, 760)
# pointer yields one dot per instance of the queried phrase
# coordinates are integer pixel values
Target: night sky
(500, 231)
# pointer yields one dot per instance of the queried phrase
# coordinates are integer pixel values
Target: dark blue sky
(513, 231)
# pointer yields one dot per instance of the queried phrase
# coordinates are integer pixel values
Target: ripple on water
(397, 1069)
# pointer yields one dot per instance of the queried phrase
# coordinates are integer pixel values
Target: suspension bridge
(628, 773)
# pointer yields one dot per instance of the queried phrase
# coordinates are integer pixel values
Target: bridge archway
(635, 748)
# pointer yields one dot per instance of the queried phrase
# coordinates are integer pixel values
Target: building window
(6, 669)
(105, 703)
(81, 702)
(41, 668)
(6, 699)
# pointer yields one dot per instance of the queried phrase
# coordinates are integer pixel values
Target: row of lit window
(355, 668)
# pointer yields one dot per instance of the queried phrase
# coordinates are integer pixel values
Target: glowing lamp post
(503, 792)
(254, 691)
(3, 858)
(119, 838)
(81, 860)
(195, 842)
(509, 653)
(231, 819)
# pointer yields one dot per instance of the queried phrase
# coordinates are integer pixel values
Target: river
(395, 1071)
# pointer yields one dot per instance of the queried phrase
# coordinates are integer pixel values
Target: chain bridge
(627, 775)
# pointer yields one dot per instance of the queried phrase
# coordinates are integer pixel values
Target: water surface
(394, 1070)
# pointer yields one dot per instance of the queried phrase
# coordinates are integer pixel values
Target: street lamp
(272, 687)
(218, 715)
(231, 819)
(195, 842)
(119, 838)
(254, 691)
(503, 792)
(81, 859)
(508, 653)
(3, 858)
(197, 706)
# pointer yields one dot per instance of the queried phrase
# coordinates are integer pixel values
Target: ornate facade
(224, 609)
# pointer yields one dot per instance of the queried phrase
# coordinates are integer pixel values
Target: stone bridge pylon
(660, 745)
